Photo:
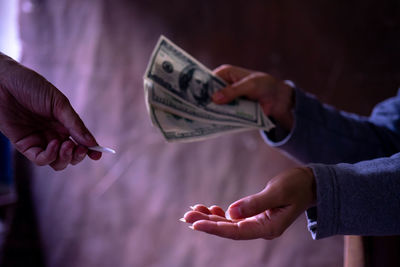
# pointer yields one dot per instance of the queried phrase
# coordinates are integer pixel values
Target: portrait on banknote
(195, 85)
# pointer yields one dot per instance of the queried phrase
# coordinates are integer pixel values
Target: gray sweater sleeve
(357, 199)
(325, 135)
(360, 198)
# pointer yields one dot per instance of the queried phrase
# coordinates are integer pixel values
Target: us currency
(162, 100)
(178, 85)
(177, 128)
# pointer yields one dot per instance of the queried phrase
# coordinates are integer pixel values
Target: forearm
(357, 199)
(322, 134)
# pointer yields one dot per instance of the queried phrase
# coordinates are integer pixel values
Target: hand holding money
(274, 96)
(179, 92)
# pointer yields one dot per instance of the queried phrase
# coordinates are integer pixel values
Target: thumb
(246, 87)
(66, 115)
(233, 91)
(255, 204)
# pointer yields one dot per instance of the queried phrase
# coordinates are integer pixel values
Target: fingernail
(218, 96)
(81, 155)
(182, 220)
(235, 212)
(191, 227)
(88, 137)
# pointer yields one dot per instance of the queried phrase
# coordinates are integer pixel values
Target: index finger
(231, 74)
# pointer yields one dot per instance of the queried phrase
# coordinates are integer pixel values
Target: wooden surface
(124, 209)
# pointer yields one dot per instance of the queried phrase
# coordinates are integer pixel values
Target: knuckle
(226, 66)
(259, 78)
(251, 83)
(262, 218)
(261, 75)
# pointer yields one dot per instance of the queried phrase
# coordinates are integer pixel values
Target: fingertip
(94, 155)
(234, 212)
(81, 150)
(85, 138)
(217, 210)
(89, 138)
(205, 226)
(202, 208)
(187, 214)
(218, 97)
(218, 70)
(198, 225)
(195, 224)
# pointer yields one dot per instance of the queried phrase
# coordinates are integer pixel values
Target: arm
(323, 134)
(350, 199)
(38, 119)
(357, 199)
(312, 131)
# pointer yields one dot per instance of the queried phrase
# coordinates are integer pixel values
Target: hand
(266, 214)
(274, 96)
(38, 119)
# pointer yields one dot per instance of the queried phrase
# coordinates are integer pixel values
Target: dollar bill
(180, 74)
(180, 129)
(162, 100)
(178, 92)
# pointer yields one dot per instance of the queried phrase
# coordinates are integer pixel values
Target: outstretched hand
(38, 119)
(266, 214)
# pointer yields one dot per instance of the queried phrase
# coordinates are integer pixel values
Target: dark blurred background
(124, 210)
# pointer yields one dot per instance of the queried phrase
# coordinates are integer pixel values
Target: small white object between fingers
(96, 148)
(102, 149)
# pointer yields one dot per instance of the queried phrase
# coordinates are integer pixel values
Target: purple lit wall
(124, 210)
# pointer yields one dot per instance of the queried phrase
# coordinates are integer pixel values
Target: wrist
(312, 186)
(285, 102)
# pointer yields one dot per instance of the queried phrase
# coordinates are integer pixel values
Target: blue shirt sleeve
(360, 198)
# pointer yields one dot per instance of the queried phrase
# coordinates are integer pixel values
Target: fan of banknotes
(178, 91)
